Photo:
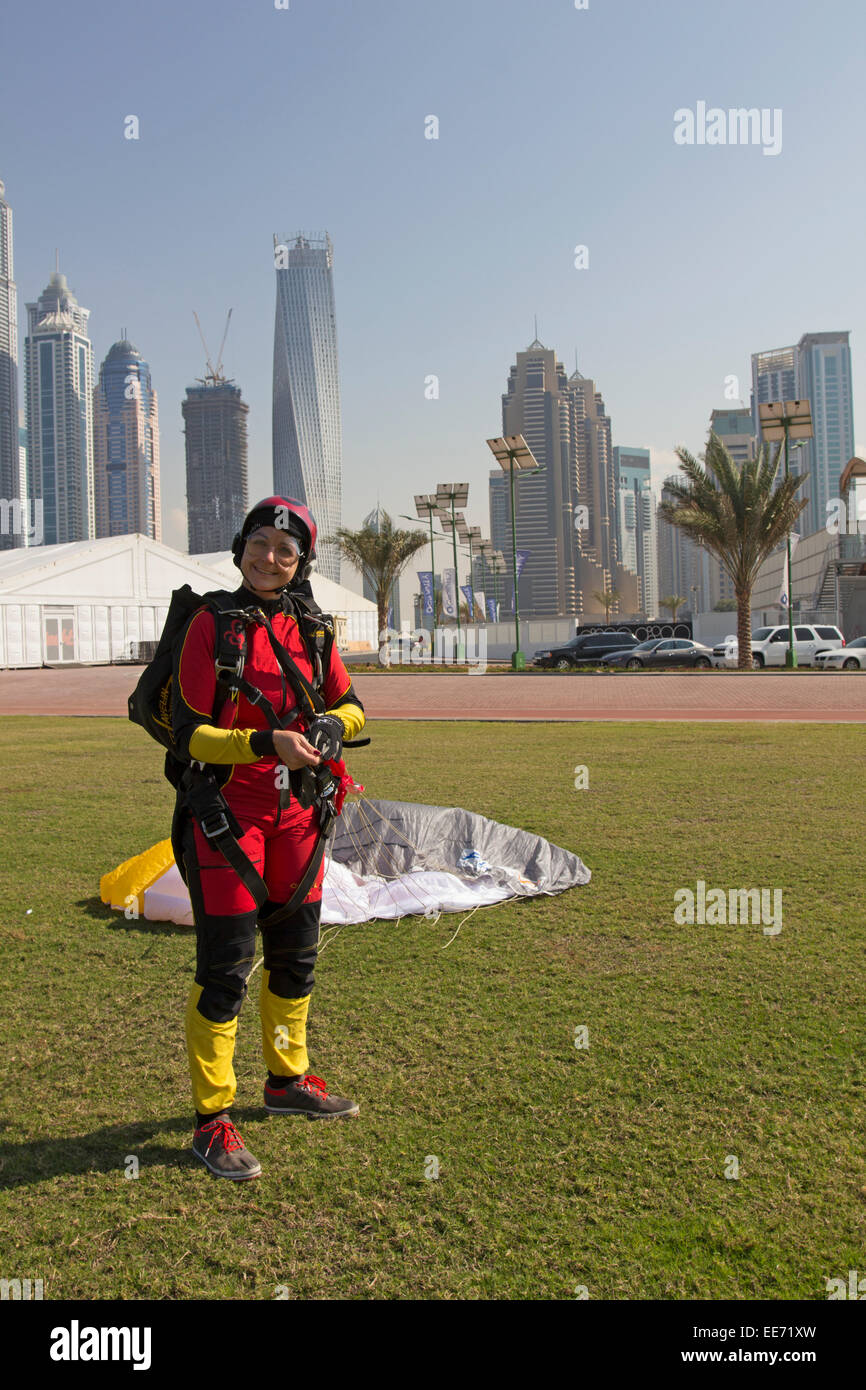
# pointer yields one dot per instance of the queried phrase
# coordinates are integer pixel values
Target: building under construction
(215, 425)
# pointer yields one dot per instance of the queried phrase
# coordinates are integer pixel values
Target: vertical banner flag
(784, 597)
(449, 593)
(492, 606)
(522, 556)
(480, 603)
(425, 579)
(466, 591)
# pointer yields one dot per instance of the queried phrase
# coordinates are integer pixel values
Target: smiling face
(269, 561)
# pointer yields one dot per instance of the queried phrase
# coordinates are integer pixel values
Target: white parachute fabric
(391, 859)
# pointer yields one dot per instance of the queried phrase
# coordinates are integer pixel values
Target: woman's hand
(294, 750)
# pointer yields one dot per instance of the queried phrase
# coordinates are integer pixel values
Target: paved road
(728, 695)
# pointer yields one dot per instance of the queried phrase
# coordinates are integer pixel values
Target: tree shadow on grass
(105, 1150)
(116, 921)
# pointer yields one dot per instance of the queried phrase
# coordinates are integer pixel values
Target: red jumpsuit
(279, 842)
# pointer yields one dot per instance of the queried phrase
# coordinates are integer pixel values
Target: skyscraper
(736, 430)
(126, 446)
(818, 370)
(10, 535)
(774, 378)
(307, 431)
(637, 522)
(569, 553)
(215, 425)
(598, 563)
(536, 404)
(59, 362)
(824, 379)
(683, 565)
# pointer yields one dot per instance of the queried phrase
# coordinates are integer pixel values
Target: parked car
(851, 657)
(620, 657)
(769, 644)
(671, 651)
(586, 649)
(720, 653)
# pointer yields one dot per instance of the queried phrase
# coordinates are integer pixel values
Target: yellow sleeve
(208, 744)
(352, 717)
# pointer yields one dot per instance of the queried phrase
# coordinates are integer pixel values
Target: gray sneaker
(307, 1095)
(221, 1149)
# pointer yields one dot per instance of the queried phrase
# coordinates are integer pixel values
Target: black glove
(326, 735)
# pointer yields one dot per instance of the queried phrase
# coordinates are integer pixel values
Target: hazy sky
(556, 128)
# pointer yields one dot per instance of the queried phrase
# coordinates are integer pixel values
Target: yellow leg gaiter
(210, 1048)
(284, 1031)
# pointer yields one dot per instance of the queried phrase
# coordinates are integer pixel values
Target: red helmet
(286, 514)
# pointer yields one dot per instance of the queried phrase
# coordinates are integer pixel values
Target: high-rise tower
(307, 432)
(126, 446)
(215, 424)
(59, 362)
(10, 479)
(565, 515)
(683, 565)
(817, 370)
(637, 522)
(824, 378)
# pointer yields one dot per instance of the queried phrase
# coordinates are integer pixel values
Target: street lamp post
(784, 420)
(467, 535)
(499, 567)
(425, 505)
(485, 548)
(514, 452)
(473, 533)
(457, 494)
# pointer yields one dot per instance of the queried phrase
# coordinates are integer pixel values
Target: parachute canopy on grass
(391, 859)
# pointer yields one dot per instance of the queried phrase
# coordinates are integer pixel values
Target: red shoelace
(225, 1130)
(311, 1083)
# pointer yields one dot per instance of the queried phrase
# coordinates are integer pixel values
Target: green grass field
(559, 1166)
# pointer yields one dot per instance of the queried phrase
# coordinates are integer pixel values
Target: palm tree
(671, 602)
(607, 600)
(381, 554)
(737, 512)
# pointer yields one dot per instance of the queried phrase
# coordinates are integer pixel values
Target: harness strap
(309, 699)
(326, 827)
(205, 801)
(255, 697)
(204, 798)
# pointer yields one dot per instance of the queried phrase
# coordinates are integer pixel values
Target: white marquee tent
(94, 601)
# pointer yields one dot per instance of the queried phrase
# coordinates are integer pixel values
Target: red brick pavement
(723, 695)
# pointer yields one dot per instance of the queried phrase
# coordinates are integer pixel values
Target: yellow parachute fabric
(133, 876)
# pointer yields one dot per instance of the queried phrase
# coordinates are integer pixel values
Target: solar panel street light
(786, 420)
(512, 451)
(451, 496)
(779, 418)
(427, 507)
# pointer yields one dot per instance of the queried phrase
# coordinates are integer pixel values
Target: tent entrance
(59, 633)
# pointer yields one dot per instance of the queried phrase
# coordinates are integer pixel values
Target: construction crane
(214, 376)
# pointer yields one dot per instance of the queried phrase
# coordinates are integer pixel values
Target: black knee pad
(290, 950)
(225, 949)
(224, 958)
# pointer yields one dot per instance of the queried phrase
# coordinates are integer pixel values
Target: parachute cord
(459, 925)
(334, 931)
(342, 897)
(398, 833)
(395, 868)
(371, 871)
